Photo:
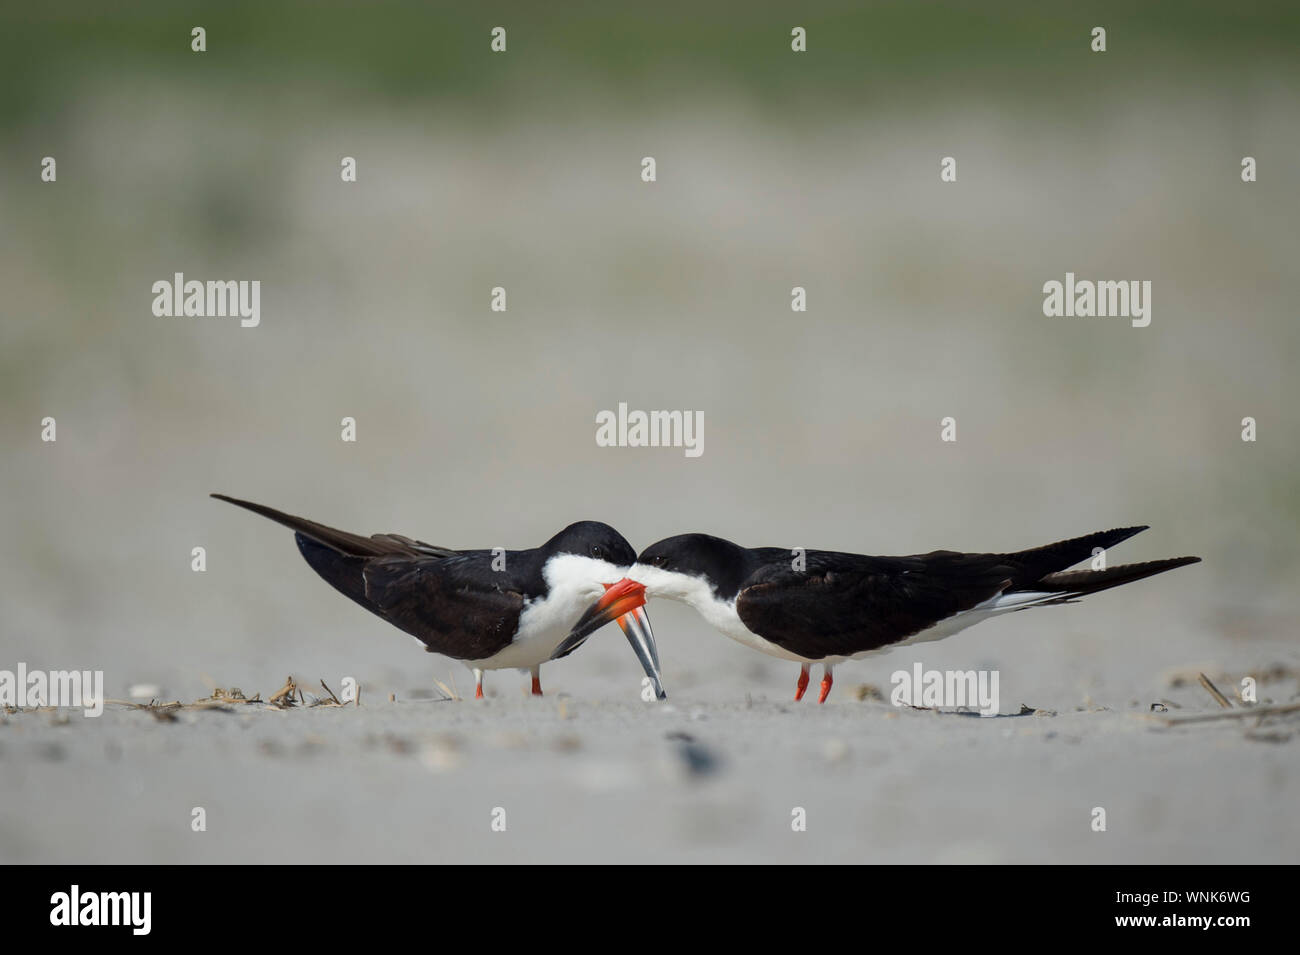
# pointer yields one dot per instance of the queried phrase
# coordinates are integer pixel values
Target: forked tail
(1041, 576)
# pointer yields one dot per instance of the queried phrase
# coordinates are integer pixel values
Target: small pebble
(835, 750)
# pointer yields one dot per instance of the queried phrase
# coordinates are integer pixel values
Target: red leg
(478, 684)
(802, 684)
(537, 682)
(827, 680)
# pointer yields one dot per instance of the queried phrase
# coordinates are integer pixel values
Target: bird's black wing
(847, 603)
(352, 545)
(841, 604)
(457, 606)
(451, 601)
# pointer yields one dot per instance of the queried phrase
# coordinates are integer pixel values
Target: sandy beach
(602, 780)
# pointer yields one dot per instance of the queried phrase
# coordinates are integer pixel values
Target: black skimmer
(826, 607)
(489, 609)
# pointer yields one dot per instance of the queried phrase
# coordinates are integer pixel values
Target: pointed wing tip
(1117, 535)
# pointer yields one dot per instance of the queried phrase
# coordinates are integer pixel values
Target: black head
(721, 563)
(592, 539)
(590, 556)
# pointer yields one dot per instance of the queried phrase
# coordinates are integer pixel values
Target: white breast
(574, 583)
(698, 594)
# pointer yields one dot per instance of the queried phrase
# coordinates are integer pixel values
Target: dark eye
(660, 560)
(597, 552)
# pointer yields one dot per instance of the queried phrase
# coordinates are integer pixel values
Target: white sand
(626, 782)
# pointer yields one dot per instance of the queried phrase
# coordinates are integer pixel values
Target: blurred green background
(864, 54)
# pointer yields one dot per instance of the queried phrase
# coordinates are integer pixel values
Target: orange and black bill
(625, 603)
